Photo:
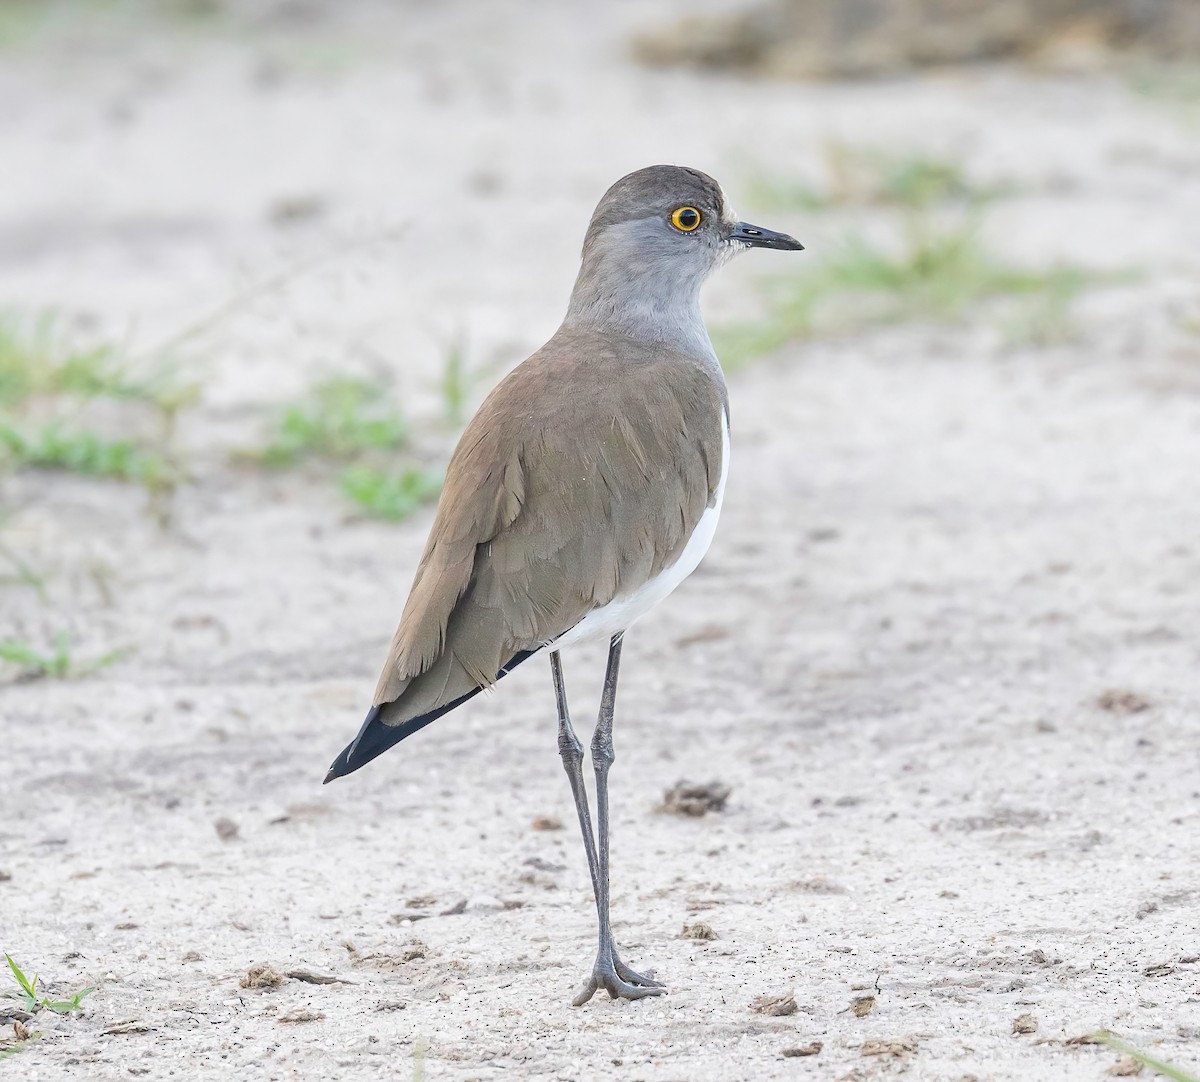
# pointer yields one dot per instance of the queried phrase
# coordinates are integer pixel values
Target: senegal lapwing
(585, 489)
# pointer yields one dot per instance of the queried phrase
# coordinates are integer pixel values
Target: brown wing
(580, 478)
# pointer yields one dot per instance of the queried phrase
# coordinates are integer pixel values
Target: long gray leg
(572, 756)
(609, 972)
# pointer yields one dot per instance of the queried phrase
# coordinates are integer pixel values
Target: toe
(645, 980)
(589, 989)
(619, 989)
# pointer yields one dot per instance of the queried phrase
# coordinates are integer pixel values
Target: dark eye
(686, 218)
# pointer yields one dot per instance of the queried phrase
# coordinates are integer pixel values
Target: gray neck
(634, 293)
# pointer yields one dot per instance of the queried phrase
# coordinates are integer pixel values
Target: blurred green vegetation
(40, 356)
(340, 418)
(936, 266)
(53, 383)
(938, 272)
(871, 176)
(49, 447)
(389, 495)
(1174, 87)
(355, 423)
(302, 38)
(456, 382)
(57, 660)
(23, 22)
(15, 570)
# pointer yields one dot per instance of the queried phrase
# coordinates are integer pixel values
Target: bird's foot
(618, 980)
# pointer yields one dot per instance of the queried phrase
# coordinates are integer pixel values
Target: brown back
(581, 477)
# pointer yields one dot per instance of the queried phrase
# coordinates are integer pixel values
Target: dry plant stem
(265, 287)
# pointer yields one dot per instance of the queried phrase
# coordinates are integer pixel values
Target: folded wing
(580, 478)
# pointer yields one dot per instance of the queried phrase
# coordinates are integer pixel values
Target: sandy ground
(936, 556)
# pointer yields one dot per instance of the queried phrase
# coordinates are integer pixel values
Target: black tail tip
(341, 765)
(359, 751)
(375, 736)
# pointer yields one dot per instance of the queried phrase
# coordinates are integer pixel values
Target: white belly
(623, 610)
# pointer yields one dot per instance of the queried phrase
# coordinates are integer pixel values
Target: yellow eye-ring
(686, 218)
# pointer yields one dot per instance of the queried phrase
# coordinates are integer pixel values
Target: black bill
(757, 237)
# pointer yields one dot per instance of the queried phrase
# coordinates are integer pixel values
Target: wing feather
(580, 478)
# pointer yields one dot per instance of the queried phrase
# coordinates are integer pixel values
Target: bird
(585, 489)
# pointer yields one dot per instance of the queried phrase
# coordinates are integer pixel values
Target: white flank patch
(623, 610)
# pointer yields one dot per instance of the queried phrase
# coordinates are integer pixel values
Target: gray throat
(639, 298)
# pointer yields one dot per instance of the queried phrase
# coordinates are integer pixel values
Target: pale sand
(935, 555)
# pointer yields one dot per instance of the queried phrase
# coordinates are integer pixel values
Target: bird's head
(654, 238)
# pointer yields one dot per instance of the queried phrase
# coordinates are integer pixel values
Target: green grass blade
(1177, 1074)
(20, 653)
(455, 384)
(22, 980)
(20, 1046)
